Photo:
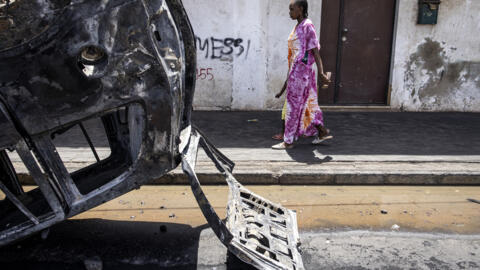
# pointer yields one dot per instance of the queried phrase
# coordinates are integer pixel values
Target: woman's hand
(324, 80)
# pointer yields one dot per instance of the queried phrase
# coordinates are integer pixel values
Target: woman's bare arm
(283, 89)
(322, 77)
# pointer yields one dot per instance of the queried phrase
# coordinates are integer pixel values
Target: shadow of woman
(308, 154)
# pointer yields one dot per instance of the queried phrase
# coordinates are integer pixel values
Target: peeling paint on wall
(434, 81)
(437, 67)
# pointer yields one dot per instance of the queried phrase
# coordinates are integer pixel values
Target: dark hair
(303, 4)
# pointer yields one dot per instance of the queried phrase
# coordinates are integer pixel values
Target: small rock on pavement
(172, 215)
(384, 212)
(395, 227)
(93, 263)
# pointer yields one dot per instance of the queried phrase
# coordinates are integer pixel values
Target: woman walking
(301, 114)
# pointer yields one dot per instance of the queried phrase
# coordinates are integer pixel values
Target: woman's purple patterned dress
(302, 114)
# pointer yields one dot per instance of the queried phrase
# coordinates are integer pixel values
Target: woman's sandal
(278, 137)
(282, 146)
(319, 140)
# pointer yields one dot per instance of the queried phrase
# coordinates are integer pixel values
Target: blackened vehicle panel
(8, 135)
(62, 62)
(51, 76)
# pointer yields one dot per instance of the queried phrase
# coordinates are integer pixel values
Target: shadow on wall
(116, 244)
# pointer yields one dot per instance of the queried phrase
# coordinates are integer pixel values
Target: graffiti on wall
(216, 48)
(205, 74)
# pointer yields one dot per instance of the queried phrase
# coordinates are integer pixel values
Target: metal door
(356, 38)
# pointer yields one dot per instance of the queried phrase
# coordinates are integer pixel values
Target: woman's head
(298, 9)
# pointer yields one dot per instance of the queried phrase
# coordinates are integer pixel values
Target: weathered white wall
(245, 77)
(437, 68)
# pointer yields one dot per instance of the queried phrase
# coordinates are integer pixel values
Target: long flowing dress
(302, 114)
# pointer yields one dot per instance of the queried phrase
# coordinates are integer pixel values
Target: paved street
(342, 227)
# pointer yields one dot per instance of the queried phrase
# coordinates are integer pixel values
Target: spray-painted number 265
(205, 74)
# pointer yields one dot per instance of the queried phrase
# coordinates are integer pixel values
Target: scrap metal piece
(473, 200)
(258, 231)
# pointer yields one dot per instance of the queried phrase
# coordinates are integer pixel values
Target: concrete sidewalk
(368, 148)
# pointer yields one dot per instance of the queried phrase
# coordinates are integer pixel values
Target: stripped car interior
(130, 64)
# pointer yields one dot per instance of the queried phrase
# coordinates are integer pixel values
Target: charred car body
(131, 64)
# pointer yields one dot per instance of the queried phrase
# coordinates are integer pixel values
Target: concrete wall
(437, 68)
(242, 51)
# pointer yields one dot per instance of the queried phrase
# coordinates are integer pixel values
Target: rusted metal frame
(211, 152)
(10, 176)
(243, 252)
(23, 147)
(247, 256)
(218, 225)
(180, 16)
(49, 189)
(56, 169)
(89, 141)
(473, 200)
(164, 18)
(18, 204)
(214, 154)
(255, 258)
(45, 221)
(290, 222)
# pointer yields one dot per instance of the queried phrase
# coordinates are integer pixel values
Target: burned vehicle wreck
(131, 64)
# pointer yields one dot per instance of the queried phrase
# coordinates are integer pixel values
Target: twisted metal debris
(130, 64)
